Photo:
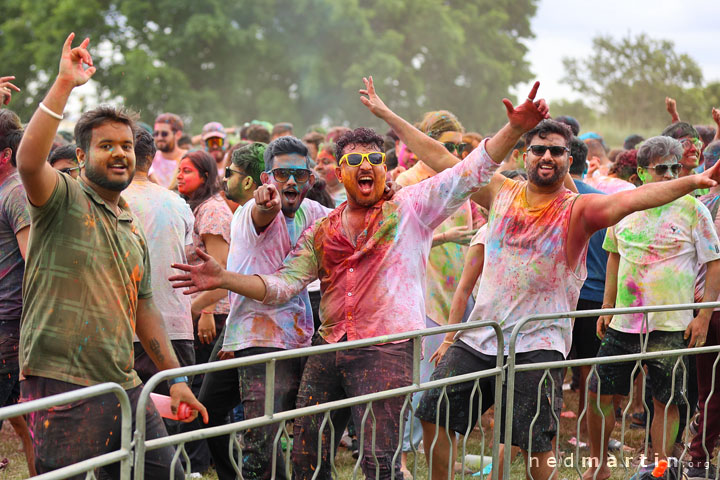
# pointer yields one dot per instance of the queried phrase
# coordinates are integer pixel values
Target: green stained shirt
(86, 269)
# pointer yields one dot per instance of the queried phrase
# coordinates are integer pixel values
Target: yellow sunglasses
(356, 159)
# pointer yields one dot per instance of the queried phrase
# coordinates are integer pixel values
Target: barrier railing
(271, 417)
(123, 455)
(644, 355)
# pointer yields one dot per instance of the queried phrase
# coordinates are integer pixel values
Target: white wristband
(50, 112)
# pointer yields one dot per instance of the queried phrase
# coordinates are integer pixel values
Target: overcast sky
(566, 28)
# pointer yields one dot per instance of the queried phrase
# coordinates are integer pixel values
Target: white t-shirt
(660, 252)
(250, 323)
(168, 224)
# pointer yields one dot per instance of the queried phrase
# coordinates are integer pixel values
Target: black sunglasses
(163, 133)
(69, 170)
(663, 168)
(229, 171)
(555, 150)
(282, 175)
(453, 147)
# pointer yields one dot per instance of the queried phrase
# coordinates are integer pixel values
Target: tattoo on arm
(156, 350)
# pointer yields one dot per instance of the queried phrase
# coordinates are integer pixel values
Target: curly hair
(438, 122)
(545, 128)
(359, 136)
(625, 164)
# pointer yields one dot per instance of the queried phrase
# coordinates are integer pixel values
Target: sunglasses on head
(688, 142)
(69, 170)
(229, 171)
(455, 147)
(161, 133)
(215, 142)
(282, 175)
(663, 168)
(555, 150)
(356, 159)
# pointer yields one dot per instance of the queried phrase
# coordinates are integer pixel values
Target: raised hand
(73, 61)
(267, 197)
(376, 106)
(716, 116)
(710, 177)
(6, 89)
(525, 116)
(671, 107)
(205, 276)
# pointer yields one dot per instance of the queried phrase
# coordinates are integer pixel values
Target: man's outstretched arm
(38, 177)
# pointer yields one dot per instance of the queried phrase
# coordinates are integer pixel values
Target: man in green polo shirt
(87, 287)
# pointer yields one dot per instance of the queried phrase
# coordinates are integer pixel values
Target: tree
(286, 60)
(631, 77)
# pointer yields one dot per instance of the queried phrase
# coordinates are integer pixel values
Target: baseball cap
(213, 129)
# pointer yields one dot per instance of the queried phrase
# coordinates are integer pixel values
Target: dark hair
(316, 138)
(282, 146)
(257, 133)
(680, 130)
(712, 154)
(65, 152)
(96, 117)
(613, 154)
(250, 159)
(9, 121)
(208, 168)
(185, 140)
(319, 193)
(359, 136)
(625, 165)
(596, 148)
(336, 132)
(391, 159)
(547, 127)
(658, 148)
(519, 146)
(578, 150)
(706, 133)
(11, 140)
(511, 174)
(283, 127)
(175, 122)
(570, 122)
(144, 149)
(632, 141)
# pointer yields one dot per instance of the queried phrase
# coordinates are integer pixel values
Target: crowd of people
(126, 249)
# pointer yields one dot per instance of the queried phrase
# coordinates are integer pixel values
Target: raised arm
(38, 177)
(601, 211)
(6, 89)
(716, 119)
(671, 107)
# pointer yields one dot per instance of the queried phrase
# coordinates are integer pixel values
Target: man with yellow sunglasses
(370, 255)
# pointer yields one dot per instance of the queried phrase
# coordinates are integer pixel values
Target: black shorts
(585, 342)
(9, 366)
(461, 359)
(616, 378)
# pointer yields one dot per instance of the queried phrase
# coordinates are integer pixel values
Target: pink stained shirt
(526, 272)
(378, 287)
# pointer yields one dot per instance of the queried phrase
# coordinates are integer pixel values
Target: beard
(534, 176)
(166, 146)
(96, 176)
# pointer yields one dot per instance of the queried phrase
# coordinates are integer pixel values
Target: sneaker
(694, 426)
(695, 473)
(614, 445)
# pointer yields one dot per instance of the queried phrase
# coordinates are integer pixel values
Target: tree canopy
(285, 60)
(631, 77)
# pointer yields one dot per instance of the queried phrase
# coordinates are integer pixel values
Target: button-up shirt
(377, 287)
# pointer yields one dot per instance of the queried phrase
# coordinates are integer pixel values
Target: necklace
(346, 227)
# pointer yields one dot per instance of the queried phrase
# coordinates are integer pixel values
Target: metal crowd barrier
(513, 368)
(270, 417)
(123, 455)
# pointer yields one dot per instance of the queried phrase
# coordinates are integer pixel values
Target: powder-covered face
(692, 147)
(292, 191)
(325, 168)
(188, 177)
(364, 184)
(547, 170)
(660, 170)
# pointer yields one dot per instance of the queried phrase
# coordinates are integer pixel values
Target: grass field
(16, 469)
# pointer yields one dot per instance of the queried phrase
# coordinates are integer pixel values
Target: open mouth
(546, 167)
(291, 195)
(365, 182)
(118, 168)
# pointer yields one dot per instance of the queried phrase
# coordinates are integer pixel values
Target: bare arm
(671, 107)
(610, 295)
(697, 330)
(150, 329)
(716, 119)
(22, 236)
(38, 177)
